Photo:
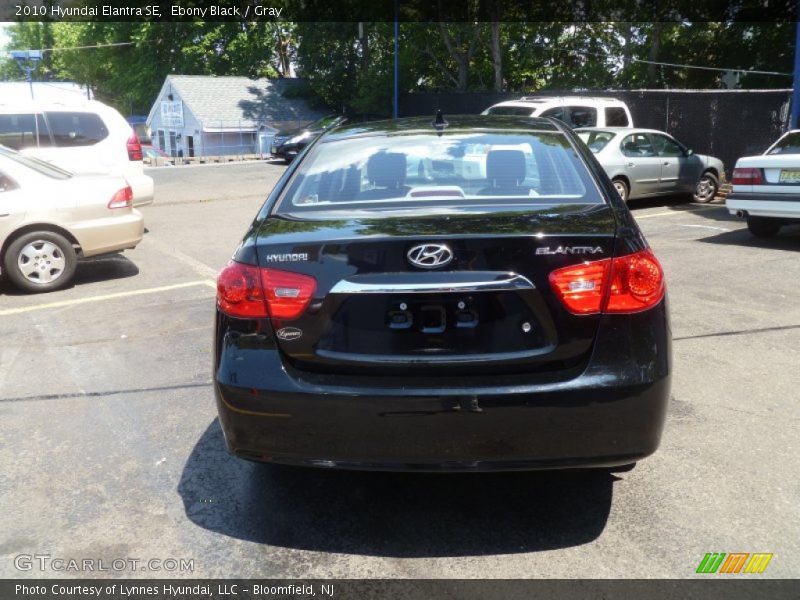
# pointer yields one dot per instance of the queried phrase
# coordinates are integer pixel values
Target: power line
(87, 47)
(673, 65)
(678, 66)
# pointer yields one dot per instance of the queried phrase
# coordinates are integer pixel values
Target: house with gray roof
(205, 115)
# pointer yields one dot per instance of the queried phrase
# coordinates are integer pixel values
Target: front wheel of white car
(40, 261)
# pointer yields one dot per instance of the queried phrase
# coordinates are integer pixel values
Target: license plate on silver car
(790, 176)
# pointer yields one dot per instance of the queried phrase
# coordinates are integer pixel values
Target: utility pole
(396, 96)
(796, 86)
(27, 60)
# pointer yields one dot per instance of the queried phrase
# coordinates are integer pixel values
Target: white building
(203, 115)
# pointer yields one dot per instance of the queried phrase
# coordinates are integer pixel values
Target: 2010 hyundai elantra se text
(465, 294)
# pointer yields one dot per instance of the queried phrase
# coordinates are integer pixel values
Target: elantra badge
(430, 256)
(570, 250)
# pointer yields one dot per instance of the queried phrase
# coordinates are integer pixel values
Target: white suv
(82, 137)
(575, 111)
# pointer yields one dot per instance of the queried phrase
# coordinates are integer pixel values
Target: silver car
(645, 162)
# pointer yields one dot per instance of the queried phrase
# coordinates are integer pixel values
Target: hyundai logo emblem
(430, 256)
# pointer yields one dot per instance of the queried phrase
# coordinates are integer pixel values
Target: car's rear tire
(763, 227)
(622, 188)
(706, 188)
(40, 261)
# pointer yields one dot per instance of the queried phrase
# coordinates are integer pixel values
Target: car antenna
(439, 124)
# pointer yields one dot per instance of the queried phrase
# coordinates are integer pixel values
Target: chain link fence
(727, 124)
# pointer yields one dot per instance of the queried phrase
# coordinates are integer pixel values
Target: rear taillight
(122, 199)
(625, 284)
(134, 147)
(582, 287)
(288, 294)
(249, 292)
(637, 283)
(747, 176)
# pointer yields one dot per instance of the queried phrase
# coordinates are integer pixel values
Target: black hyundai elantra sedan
(465, 294)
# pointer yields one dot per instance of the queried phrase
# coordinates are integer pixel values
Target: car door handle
(666, 164)
(631, 165)
(4, 214)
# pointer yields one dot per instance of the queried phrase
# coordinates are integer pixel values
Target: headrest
(505, 168)
(386, 169)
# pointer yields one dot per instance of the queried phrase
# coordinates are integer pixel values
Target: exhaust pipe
(742, 214)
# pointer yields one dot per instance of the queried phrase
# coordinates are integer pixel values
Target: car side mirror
(689, 152)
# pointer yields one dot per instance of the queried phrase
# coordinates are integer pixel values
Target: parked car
(389, 310)
(766, 188)
(288, 144)
(82, 137)
(49, 218)
(156, 156)
(575, 111)
(644, 162)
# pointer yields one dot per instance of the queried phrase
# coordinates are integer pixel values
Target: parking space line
(671, 213)
(100, 298)
(198, 267)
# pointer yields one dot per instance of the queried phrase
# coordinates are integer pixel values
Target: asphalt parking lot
(111, 448)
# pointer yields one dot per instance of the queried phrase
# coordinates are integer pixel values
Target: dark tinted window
(665, 146)
(616, 117)
(557, 113)
(510, 111)
(596, 140)
(637, 145)
(19, 131)
(582, 116)
(455, 170)
(789, 144)
(76, 129)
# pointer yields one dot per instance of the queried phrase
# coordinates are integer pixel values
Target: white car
(766, 188)
(80, 136)
(49, 218)
(575, 111)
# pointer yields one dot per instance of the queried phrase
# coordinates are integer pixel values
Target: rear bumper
(781, 206)
(112, 234)
(611, 414)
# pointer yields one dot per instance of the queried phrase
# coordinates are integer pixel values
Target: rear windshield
(456, 169)
(789, 144)
(40, 166)
(596, 140)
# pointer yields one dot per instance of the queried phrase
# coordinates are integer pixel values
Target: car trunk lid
(489, 308)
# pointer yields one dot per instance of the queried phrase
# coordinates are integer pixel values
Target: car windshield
(596, 140)
(40, 166)
(455, 169)
(788, 144)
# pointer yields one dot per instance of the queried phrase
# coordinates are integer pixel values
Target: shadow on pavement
(787, 239)
(89, 270)
(391, 514)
